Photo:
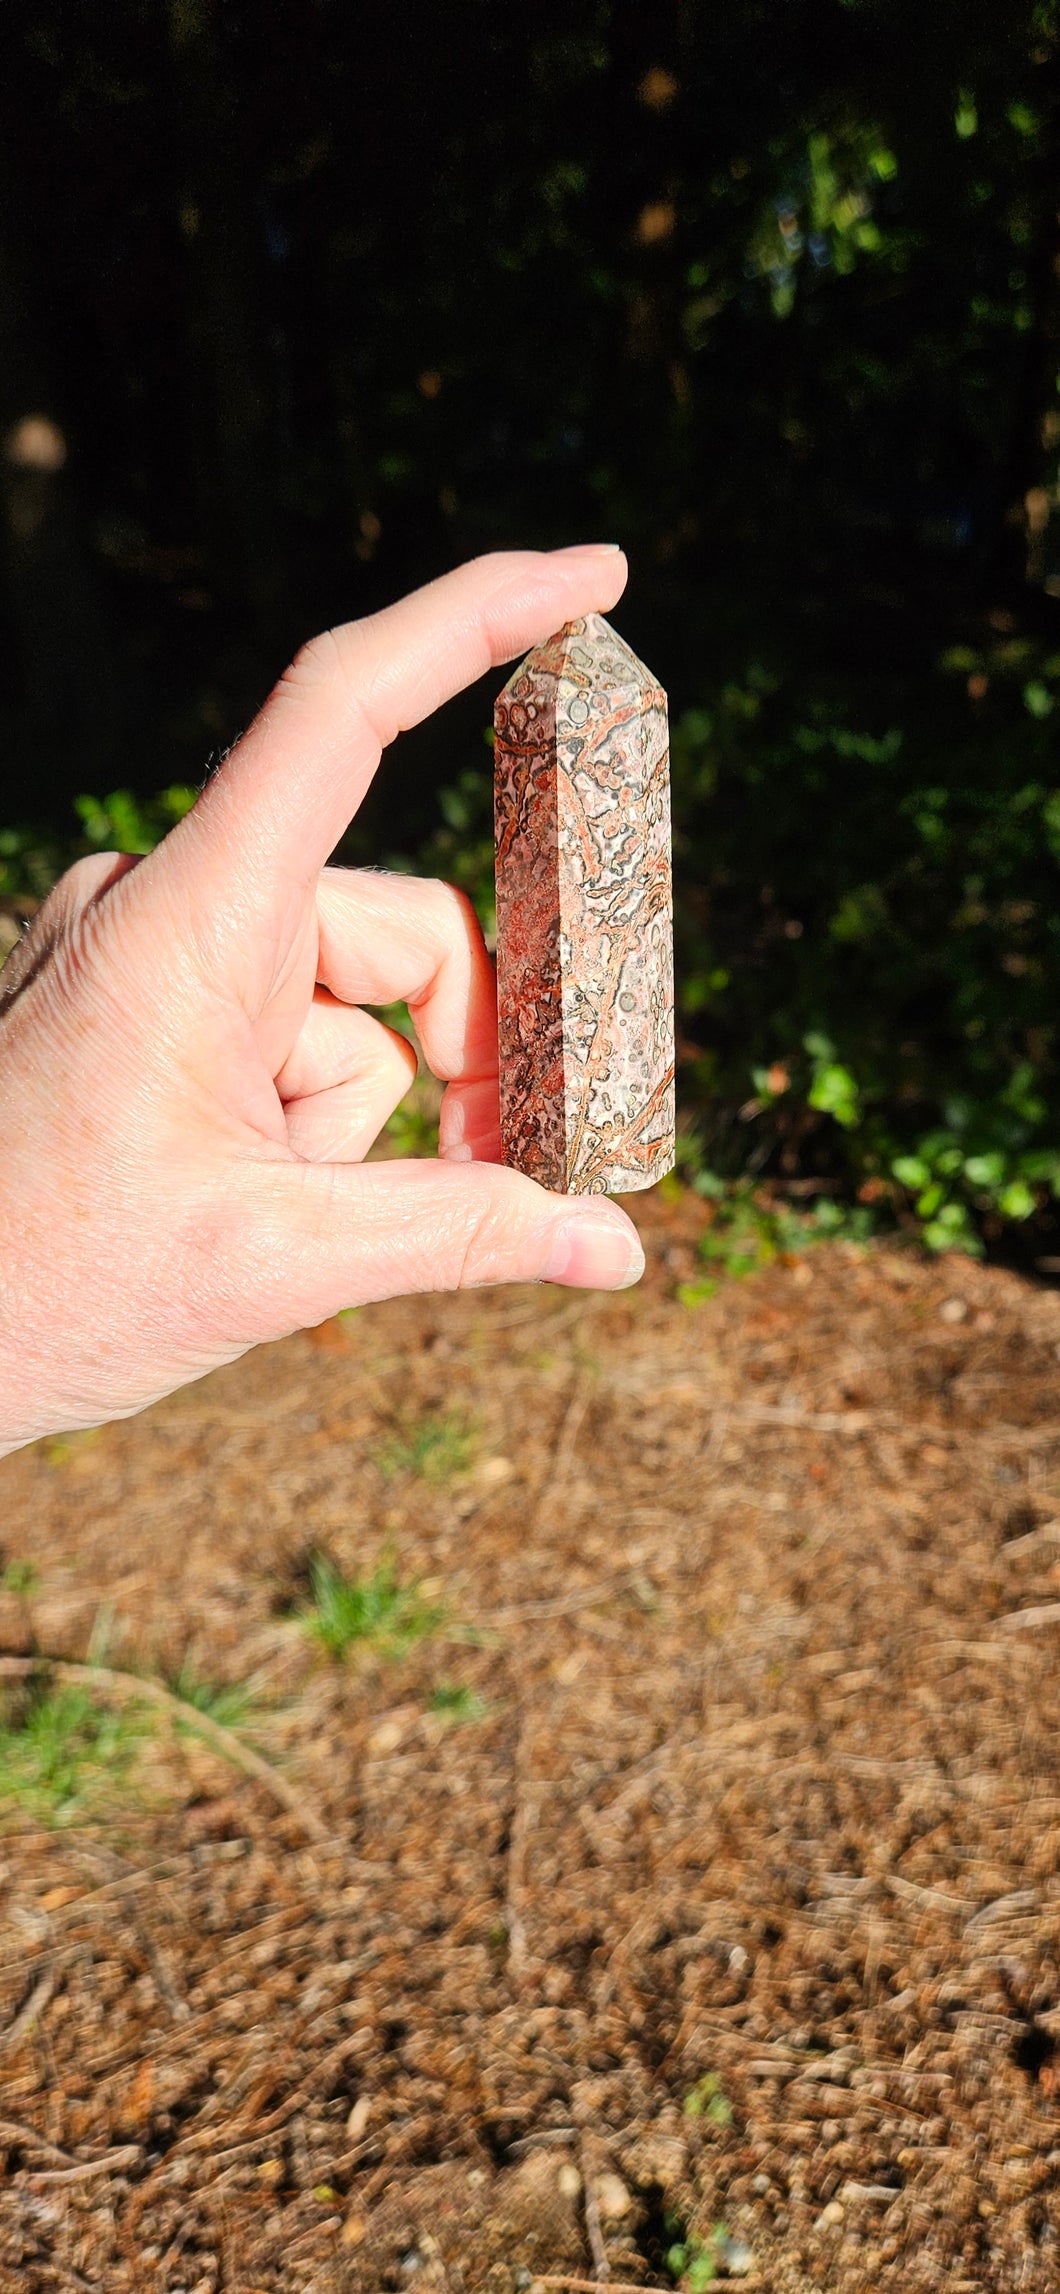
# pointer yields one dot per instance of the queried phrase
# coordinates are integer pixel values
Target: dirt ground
(702, 1867)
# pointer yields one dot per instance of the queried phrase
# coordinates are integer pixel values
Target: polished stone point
(584, 916)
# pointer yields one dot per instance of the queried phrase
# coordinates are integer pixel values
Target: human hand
(189, 1085)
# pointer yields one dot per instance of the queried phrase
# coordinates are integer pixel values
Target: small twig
(13, 2131)
(523, 1813)
(223, 1740)
(535, 1313)
(561, 1605)
(203, 2137)
(170, 1868)
(564, 1450)
(330, 2224)
(931, 1899)
(126, 2156)
(591, 2209)
(1014, 1546)
(542, 2137)
(592, 2285)
(806, 1421)
(717, 1430)
(27, 2015)
(998, 1436)
(1017, 1620)
(299, 2150)
(1004, 1908)
(164, 1985)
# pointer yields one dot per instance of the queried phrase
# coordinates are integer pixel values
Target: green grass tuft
(62, 1753)
(435, 1448)
(20, 1578)
(454, 1701)
(229, 1703)
(707, 2100)
(747, 1231)
(694, 2261)
(375, 1611)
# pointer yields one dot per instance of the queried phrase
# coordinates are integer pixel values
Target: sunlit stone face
(584, 916)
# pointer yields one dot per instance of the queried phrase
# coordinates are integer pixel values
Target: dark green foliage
(869, 938)
(32, 857)
(772, 295)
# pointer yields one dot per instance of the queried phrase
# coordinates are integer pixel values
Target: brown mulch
(759, 1805)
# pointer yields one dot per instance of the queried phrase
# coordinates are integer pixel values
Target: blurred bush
(867, 889)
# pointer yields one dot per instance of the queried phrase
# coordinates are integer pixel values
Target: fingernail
(589, 550)
(595, 1254)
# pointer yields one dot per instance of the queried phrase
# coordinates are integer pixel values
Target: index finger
(279, 804)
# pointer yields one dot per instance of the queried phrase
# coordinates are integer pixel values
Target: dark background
(300, 305)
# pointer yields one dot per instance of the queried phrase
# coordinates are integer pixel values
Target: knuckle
(85, 878)
(454, 907)
(64, 936)
(337, 663)
(316, 663)
(491, 1232)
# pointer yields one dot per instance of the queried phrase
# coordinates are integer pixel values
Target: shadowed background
(300, 307)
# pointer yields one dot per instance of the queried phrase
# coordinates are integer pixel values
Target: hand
(189, 1085)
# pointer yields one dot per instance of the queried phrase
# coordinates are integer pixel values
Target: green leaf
(834, 1092)
(985, 1170)
(1051, 821)
(1016, 1200)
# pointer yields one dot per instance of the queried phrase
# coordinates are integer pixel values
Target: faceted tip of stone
(614, 662)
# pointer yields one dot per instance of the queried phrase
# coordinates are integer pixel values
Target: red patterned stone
(584, 916)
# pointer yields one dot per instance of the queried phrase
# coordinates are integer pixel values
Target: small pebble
(568, 2180)
(494, 1470)
(953, 1310)
(736, 2256)
(612, 2197)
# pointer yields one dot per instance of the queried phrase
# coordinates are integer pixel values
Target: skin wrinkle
(352, 710)
(341, 1123)
(335, 1043)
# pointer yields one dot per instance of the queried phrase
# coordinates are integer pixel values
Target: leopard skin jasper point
(584, 916)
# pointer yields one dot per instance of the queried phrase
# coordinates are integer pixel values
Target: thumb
(317, 1237)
